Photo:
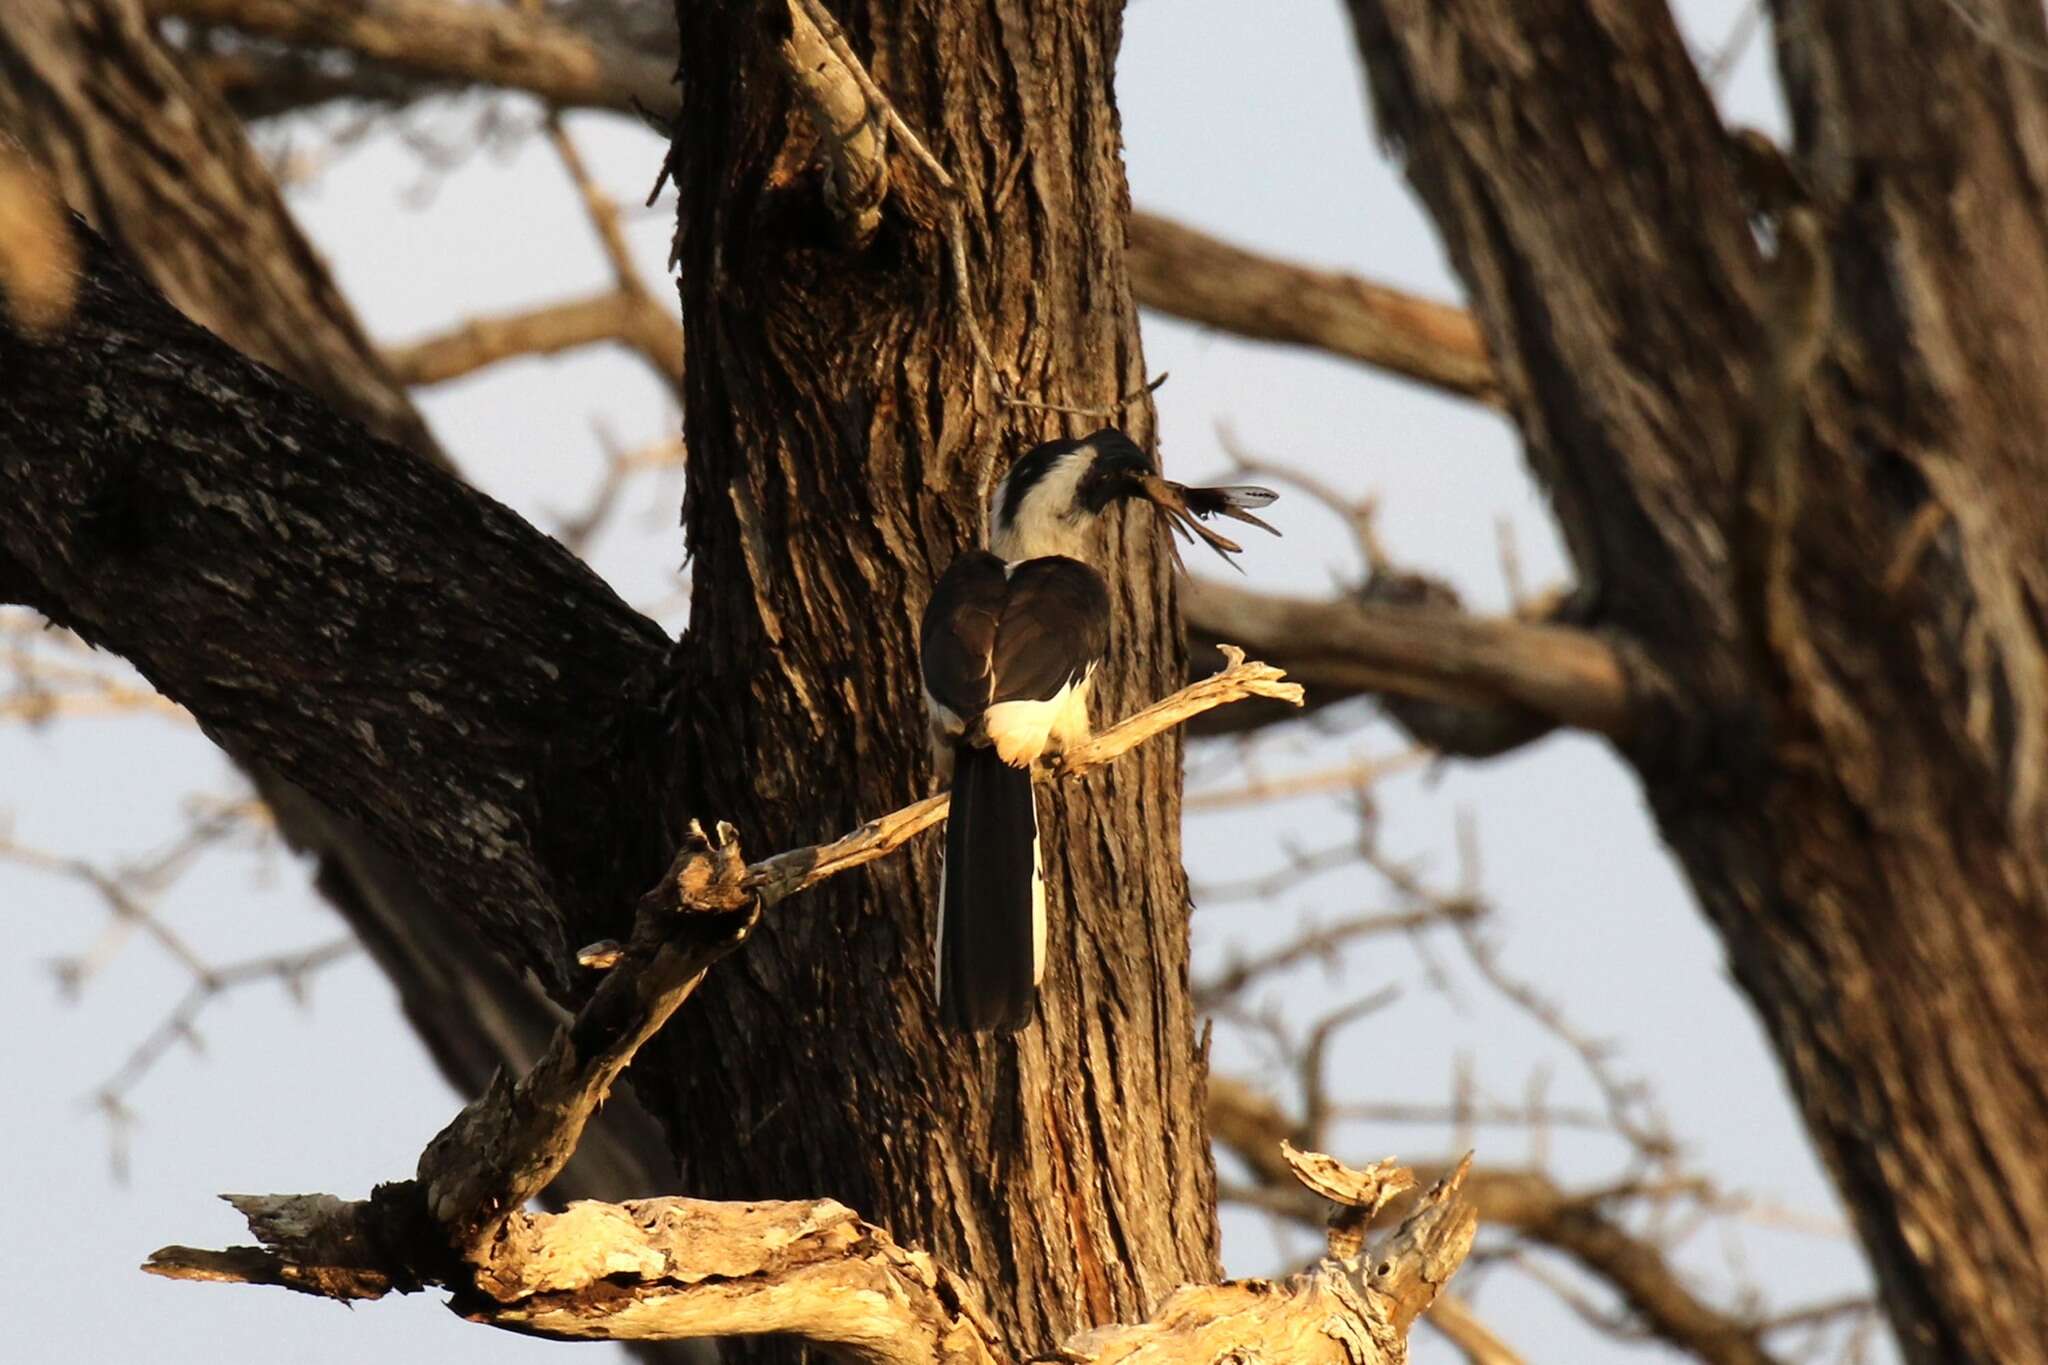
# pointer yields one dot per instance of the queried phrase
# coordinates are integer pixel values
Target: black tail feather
(992, 901)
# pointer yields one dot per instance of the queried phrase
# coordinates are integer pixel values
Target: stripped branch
(1459, 1325)
(459, 1223)
(788, 873)
(1530, 1204)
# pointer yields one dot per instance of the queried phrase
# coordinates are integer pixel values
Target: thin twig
(1316, 942)
(1345, 777)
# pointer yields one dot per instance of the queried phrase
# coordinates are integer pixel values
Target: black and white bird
(1012, 641)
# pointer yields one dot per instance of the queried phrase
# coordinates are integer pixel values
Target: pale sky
(1246, 120)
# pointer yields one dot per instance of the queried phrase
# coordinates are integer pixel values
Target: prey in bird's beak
(1185, 508)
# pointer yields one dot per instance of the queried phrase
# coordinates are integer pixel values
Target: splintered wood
(676, 1269)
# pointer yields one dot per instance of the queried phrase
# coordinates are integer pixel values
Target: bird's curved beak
(1185, 506)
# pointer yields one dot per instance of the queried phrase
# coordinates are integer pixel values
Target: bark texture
(842, 440)
(166, 173)
(387, 639)
(1826, 524)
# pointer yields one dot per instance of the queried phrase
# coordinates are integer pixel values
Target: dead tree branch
(788, 873)
(1454, 1318)
(677, 1268)
(1530, 1204)
(671, 1269)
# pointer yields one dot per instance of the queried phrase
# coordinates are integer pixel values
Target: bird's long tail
(991, 944)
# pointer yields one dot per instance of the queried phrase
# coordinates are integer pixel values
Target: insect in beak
(1185, 507)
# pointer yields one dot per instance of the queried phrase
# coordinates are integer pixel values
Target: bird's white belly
(1022, 731)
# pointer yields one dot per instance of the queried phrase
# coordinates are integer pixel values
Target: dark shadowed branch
(225, 522)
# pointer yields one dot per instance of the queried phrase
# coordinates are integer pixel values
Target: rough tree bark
(1825, 524)
(842, 436)
(165, 172)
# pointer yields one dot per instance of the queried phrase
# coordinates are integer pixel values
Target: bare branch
(1354, 776)
(130, 891)
(1454, 1318)
(652, 328)
(471, 44)
(1174, 269)
(1188, 274)
(1316, 942)
(575, 530)
(1558, 674)
(51, 673)
(507, 1145)
(667, 1269)
(630, 319)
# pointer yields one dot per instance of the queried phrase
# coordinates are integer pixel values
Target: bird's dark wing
(1054, 628)
(957, 643)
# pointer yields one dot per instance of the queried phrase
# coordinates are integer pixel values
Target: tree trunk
(1843, 565)
(162, 169)
(842, 439)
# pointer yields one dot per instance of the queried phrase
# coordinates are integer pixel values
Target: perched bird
(1011, 643)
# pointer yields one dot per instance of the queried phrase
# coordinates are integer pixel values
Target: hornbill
(1011, 641)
